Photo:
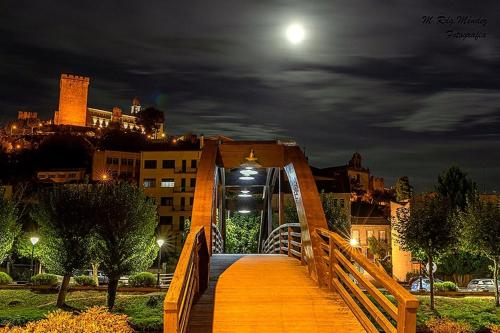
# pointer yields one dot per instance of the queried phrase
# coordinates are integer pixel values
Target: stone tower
(401, 259)
(73, 91)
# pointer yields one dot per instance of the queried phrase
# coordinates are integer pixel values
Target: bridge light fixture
(248, 172)
(243, 211)
(247, 178)
(244, 195)
(245, 191)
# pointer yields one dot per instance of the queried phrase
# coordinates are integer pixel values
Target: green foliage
(65, 221)
(242, 233)
(404, 190)
(454, 185)
(142, 279)
(150, 118)
(460, 262)
(427, 227)
(126, 223)
(335, 217)
(9, 226)
(381, 250)
(5, 278)
(44, 279)
(290, 212)
(480, 223)
(84, 280)
(445, 286)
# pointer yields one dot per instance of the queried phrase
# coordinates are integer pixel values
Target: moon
(295, 33)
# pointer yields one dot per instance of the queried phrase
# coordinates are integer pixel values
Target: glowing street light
(354, 242)
(160, 243)
(33, 240)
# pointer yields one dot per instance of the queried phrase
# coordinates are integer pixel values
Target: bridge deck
(268, 293)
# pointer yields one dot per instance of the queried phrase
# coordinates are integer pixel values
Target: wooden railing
(217, 243)
(190, 279)
(343, 262)
(285, 239)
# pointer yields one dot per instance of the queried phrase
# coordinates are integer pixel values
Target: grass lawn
(477, 311)
(145, 311)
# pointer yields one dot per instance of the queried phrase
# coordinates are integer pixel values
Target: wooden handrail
(285, 240)
(217, 243)
(341, 260)
(190, 279)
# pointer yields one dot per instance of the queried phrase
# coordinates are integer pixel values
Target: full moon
(295, 33)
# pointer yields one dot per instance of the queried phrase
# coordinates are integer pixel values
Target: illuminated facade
(169, 177)
(112, 165)
(73, 109)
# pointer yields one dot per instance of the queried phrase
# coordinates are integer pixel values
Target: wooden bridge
(305, 278)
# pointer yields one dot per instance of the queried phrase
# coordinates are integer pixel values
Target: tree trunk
(495, 278)
(94, 274)
(61, 296)
(112, 286)
(431, 280)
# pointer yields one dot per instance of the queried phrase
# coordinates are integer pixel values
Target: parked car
(426, 284)
(103, 279)
(482, 285)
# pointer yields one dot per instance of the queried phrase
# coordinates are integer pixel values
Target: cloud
(450, 110)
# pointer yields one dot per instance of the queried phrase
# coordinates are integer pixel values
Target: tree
(290, 212)
(380, 250)
(335, 217)
(65, 224)
(124, 242)
(454, 185)
(426, 227)
(151, 118)
(242, 233)
(459, 263)
(480, 223)
(9, 226)
(404, 190)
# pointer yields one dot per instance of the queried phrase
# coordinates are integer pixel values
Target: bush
(445, 325)
(445, 286)
(44, 280)
(84, 280)
(95, 319)
(5, 278)
(143, 279)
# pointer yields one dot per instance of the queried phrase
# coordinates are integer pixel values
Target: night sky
(369, 76)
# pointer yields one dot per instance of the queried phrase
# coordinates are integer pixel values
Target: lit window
(167, 182)
(381, 235)
(369, 234)
(355, 235)
(149, 182)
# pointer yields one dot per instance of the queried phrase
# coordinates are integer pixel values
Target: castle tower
(401, 259)
(136, 106)
(73, 91)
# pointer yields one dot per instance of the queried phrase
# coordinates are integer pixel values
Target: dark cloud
(369, 76)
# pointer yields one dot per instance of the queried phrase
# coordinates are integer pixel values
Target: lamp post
(160, 243)
(33, 240)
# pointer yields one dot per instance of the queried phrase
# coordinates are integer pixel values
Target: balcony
(185, 170)
(183, 189)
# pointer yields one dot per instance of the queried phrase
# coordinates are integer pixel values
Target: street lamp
(160, 243)
(33, 240)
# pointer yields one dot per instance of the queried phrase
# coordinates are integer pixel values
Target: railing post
(333, 261)
(407, 317)
(289, 241)
(279, 240)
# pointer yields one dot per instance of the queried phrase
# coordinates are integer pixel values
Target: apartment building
(114, 165)
(169, 177)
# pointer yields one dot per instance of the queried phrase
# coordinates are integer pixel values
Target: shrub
(95, 319)
(445, 286)
(5, 278)
(44, 279)
(143, 279)
(84, 280)
(445, 325)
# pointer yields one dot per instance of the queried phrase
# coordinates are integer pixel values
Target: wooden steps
(267, 293)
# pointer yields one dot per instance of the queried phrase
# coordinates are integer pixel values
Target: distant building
(73, 109)
(61, 176)
(112, 165)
